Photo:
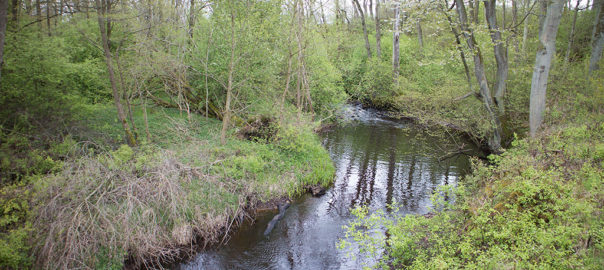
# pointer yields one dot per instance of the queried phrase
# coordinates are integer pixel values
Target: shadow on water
(378, 161)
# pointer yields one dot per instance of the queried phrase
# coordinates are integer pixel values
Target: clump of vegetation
(149, 205)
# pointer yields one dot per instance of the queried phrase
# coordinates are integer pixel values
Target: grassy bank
(155, 202)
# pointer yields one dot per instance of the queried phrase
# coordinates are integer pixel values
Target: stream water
(378, 161)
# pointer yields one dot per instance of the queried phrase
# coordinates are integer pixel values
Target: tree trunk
(367, 46)
(48, 17)
(494, 139)
(598, 42)
(116, 96)
(420, 36)
(191, 18)
(503, 15)
(371, 8)
(515, 26)
(378, 32)
(462, 55)
(501, 53)
(3, 22)
(338, 15)
(597, 4)
(39, 14)
(395, 47)
(227, 105)
(476, 12)
(571, 37)
(543, 62)
(525, 31)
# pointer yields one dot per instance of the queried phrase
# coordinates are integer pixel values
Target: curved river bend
(378, 161)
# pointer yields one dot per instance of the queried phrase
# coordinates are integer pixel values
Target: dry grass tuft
(98, 207)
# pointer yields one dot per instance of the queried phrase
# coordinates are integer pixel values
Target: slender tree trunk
(525, 30)
(338, 15)
(15, 7)
(476, 11)
(116, 96)
(227, 106)
(378, 32)
(125, 95)
(501, 53)
(48, 17)
(145, 119)
(39, 14)
(206, 70)
(494, 139)
(420, 36)
(543, 61)
(571, 37)
(598, 42)
(395, 47)
(515, 26)
(191, 18)
(462, 55)
(503, 16)
(367, 46)
(3, 22)
(371, 8)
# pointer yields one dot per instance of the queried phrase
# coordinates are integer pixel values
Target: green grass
(160, 196)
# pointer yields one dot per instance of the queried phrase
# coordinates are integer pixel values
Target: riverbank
(149, 205)
(537, 205)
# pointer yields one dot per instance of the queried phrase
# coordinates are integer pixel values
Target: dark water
(378, 161)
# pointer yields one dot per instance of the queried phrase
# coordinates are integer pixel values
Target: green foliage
(536, 206)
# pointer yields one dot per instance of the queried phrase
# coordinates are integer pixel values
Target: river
(378, 161)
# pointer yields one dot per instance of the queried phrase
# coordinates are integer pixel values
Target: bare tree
(543, 62)
(102, 20)
(598, 41)
(362, 14)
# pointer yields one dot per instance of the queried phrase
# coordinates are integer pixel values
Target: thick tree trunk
(543, 62)
(227, 105)
(116, 96)
(501, 54)
(378, 32)
(571, 37)
(494, 138)
(395, 46)
(3, 22)
(362, 14)
(598, 42)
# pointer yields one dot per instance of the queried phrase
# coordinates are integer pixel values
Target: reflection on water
(378, 161)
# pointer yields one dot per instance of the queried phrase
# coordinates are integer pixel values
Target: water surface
(378, 161)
